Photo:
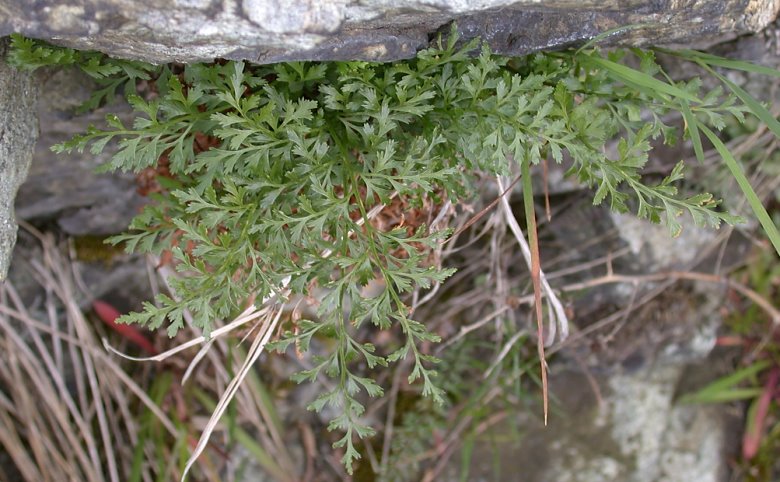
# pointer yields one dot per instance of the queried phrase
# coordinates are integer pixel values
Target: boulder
(18, 133)
(66, 189)
(266, 31)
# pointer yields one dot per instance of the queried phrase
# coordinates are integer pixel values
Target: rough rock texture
(616, 414)
(18, 132)
(653, 245)
(66, 187)
(275, 30)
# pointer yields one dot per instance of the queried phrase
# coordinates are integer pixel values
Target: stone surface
(274, 30)
(632, 429)
(655, 247)
(65, 188)
(18, 132)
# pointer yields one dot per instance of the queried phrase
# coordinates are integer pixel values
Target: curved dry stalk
(248, 315)
(465, 330)
(261, 339)
(504, 352)
(561, 321)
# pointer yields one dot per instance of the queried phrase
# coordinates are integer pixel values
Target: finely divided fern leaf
(267, 175)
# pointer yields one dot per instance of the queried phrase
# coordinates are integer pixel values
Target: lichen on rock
(18, 133)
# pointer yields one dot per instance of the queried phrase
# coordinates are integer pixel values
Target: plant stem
(533, 241)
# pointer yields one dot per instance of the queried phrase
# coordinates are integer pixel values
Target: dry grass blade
(465, 330)
(195, 360)
(77, 424)
(59, 434)
(52, 407)
(505, 351)
(531, 256)
(114, 369)
(248, 315)
(85, 424)
(536, 270)
(12, 441)
(261, 339)
(560, 321)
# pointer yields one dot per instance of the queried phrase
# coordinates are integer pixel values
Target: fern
(300, 153)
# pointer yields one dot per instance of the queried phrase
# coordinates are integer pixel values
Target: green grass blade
(182, 447)
(722, 389)
(731, 395)
(645, 82)
(744, 66)
(755, 107)
(732, 64)
(138, 460)
(755, 203)
(692, 126)
(466, 453)
(148, 422)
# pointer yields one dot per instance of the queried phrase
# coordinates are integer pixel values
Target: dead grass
(71, 410)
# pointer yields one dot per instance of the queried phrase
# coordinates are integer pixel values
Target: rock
(66, 187)
(632, 429)
(656, 248)
(18, 132)
(266, 31)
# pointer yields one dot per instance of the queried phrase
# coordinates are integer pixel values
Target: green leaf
(755, 203)
(692, 127)
(646, 83)
(725, 388)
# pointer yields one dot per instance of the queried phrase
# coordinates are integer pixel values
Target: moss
(92, 249)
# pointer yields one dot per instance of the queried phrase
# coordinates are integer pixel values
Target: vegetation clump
(269, 180)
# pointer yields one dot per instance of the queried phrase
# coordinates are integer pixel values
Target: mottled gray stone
(274, 30)
(655, 247)
(67, 188)
(633, 429)
(18, 132)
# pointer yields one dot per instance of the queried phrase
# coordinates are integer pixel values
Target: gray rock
(18, 132)
(632, 429)
(273, 30)
(66, 187)
(656, 248)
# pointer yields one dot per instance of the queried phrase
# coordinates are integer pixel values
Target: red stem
(755, 427)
